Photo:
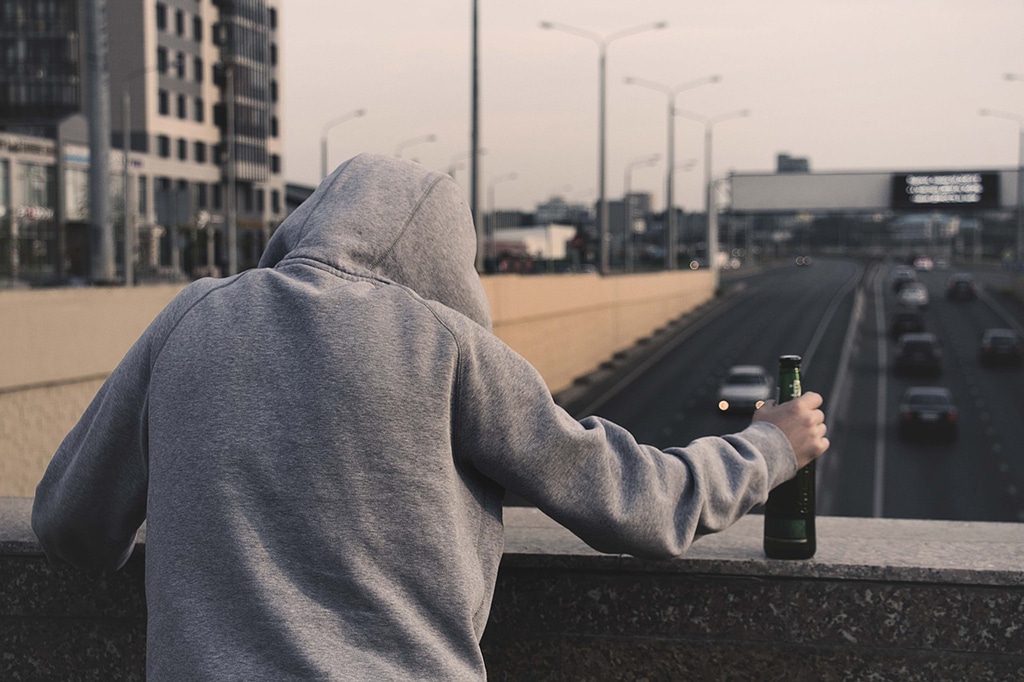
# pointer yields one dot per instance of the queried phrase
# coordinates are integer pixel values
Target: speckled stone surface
(882, 600)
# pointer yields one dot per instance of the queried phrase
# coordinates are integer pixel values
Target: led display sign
(970, 189)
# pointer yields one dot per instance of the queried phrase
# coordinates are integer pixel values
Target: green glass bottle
(789, 512)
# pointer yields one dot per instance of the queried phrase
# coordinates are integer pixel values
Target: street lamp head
(661, 25)
(547, 25)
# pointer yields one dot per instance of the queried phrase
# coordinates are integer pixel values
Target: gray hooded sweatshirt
(320, 446)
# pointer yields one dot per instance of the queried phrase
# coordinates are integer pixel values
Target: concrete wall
(58, 345)
(883, 599)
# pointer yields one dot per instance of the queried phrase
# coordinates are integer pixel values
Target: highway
(834, 313)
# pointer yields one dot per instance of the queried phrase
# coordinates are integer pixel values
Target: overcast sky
(850, 84)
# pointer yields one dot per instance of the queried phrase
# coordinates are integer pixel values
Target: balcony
(883, 600)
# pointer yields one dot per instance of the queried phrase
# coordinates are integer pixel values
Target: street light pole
(602, 43)
(709, 207)
(670, 93)
(323, 136)
(628, 236)
(413, 141)
(1019, 256)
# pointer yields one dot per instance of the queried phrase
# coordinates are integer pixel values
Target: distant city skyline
(872, 85)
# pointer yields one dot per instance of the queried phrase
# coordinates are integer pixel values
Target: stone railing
(882, 600)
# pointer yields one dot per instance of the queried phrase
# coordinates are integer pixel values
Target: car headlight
(723, 405)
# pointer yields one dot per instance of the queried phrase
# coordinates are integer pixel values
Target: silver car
(745, 388)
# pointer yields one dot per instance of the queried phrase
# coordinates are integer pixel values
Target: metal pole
(98, 112)
(129, 223)
(709, 208)
(323, 156)
(670, 218)
(59, 214)
(474, 142)
(602, 200)
(1020, 201)
(232, 240)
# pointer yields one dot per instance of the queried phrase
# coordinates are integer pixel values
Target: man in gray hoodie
(320, 447)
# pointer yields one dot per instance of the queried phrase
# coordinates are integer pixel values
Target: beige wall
(56, 346)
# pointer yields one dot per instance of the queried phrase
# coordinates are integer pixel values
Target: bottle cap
(789, 360)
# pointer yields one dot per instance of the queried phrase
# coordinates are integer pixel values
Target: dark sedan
(961, 287)
(928, 412)
(905, 322)
(1001, 347)
(918, 353)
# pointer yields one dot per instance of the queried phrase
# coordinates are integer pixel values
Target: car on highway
(913, 294)
(924, 263)
(928, 412)
(900, 276)
(905, 321)
(745, 388)
(803, 260)
(918, 353)
(1001, 347)
(961, 287)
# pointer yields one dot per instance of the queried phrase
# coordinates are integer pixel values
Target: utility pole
(97, 78)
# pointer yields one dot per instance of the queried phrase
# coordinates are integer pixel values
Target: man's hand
(803, 423)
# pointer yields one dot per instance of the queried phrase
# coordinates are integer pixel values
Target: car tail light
(951, 415)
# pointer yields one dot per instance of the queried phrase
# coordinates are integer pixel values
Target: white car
(914, 294)
(745, 389)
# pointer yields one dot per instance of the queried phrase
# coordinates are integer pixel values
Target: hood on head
(384, 217)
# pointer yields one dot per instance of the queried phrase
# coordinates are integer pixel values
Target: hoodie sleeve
(91, 501)
(592, 476)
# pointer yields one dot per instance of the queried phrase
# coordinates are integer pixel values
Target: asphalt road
(834, 313)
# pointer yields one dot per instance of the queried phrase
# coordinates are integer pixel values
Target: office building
(193, 87)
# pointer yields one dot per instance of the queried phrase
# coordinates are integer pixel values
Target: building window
(197, 69)
(197, 29)
(164, 102)
(273, 126)
(182, 150)
(179, 22)
(199, 110)
(275, 163)
(163, 146)
(202, 195)
(141, 195)
(273, 54)
(182, 107)
(273, 17)
(161, 16)
(181, 65)
(161, 59)
(275, 201)
(260, 200)
(273, 91)
(218, 197)
(200, 152)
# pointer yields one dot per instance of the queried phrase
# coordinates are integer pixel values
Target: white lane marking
(823, 324)
(878, 493)
(837, 398)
